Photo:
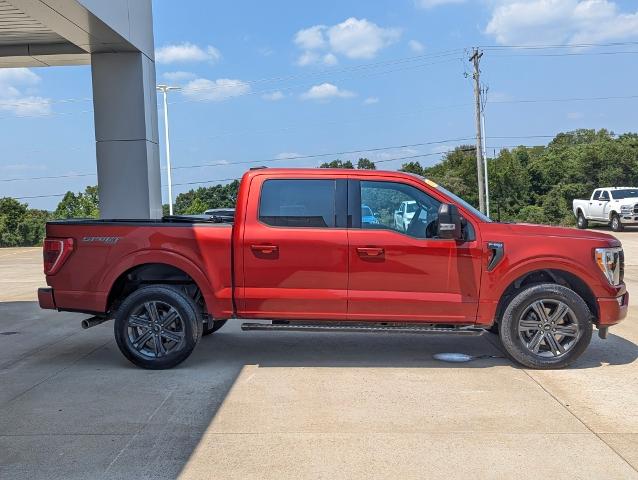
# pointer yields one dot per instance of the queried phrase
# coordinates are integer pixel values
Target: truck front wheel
(157, 327)
(546, 326)
(616, 224)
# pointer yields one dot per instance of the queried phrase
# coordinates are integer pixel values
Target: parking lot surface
(260, 405)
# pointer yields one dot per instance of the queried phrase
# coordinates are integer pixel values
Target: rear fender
(173, 259)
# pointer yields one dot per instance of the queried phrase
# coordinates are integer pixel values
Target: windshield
(624, 193)
(460, 201)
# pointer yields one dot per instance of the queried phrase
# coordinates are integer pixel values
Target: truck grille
(636, 208)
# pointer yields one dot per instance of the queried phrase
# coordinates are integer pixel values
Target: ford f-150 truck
(298, 255)
(616, 207)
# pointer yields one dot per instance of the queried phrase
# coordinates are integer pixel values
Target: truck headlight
(625, 209)
(611, 263)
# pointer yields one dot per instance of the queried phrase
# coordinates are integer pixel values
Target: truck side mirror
(449, 222)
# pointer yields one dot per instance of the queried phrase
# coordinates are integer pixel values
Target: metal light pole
(165, 89)
(487, 181)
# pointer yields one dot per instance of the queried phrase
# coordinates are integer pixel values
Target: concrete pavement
(292, 405)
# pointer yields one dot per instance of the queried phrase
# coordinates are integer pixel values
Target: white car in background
(404, 215)
(614, 206)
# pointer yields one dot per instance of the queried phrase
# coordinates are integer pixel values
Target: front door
(294, 249)
(406, 274)
(599, 204)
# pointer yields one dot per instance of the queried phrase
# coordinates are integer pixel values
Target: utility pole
(475, 59)
(165, 89)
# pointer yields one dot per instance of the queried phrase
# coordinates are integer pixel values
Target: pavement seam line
(35, 351)
(581, 421)
(53, 375)
(139, 430)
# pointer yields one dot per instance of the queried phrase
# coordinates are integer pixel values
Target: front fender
(495, 283)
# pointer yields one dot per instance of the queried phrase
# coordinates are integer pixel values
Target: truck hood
(531, 230)
(627, 201)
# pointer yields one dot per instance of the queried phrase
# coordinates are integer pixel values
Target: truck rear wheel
(546, 326)
(581, 222)
(157, 327)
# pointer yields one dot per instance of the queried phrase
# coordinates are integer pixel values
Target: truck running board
(359, 328)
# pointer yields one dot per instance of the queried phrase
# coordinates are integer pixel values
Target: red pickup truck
(300, 253)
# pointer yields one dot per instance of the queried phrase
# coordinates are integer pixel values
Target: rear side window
(298, 203)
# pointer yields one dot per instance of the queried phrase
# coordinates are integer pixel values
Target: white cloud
(186, 52)
(12, 97)
(360, 38)
(436, 3)
(353, 38)
(179, 76)
(311, 38)
(287, 155)
(273, 96)
(214, 90)
(560, 21)
(326, 91)
(416, 46)
(371, 101)
(330, 59)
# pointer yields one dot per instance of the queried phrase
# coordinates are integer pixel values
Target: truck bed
(105, 251)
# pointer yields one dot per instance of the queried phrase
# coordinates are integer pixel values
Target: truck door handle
(267, 249)
(370, 251)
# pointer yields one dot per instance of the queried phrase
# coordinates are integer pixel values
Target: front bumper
(46, 298)
(612, 310)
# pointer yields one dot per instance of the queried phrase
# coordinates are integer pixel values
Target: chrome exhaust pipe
(92, 322)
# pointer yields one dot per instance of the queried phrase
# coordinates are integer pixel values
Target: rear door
(295, 249)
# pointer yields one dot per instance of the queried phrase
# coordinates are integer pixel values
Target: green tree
(365, 164)
(195, 202)
(337, 164)
(19, 225)
(81, 205)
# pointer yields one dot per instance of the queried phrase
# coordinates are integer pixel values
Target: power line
(302, 157)
(572, 54)
(330, 154)
(558, 46)
(567, 99)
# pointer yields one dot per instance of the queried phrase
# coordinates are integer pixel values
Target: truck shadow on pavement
(381, 350)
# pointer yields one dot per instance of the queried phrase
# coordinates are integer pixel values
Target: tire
(581, 222)
(166, 320)
(615, 223)
(527, 339)
(212, 326)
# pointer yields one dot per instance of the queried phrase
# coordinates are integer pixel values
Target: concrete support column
(125, 106)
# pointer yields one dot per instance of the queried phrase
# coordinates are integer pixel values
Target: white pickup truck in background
(614, 206)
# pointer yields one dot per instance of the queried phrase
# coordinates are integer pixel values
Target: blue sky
(263, 80)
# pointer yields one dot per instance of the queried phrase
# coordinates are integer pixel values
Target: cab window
(298, 203)
(604, 195)
(399, 207)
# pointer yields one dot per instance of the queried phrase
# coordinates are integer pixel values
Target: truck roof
(616, 188)
(323, 171)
